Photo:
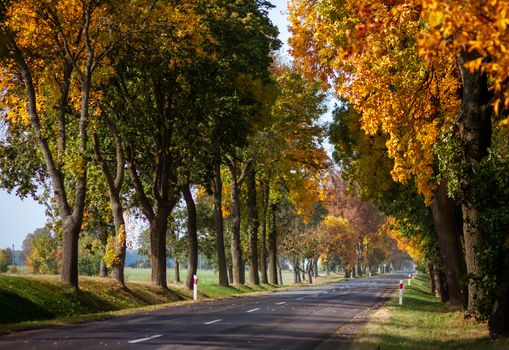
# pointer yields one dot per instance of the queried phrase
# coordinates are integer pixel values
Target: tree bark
(253, 223)
(219, 226)
(176, 270)
(235, 243)
(192, 235)
(264, 257)
(444, 216)
(433, 285)
(498, 322)
(158, 228)
(273, 246)
(475, 134)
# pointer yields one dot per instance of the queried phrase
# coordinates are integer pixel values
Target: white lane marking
(144, 339)
(299, 298)
(210, 322)
(252, 310)
(281, 303)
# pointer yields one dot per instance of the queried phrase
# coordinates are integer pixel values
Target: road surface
(303, 318)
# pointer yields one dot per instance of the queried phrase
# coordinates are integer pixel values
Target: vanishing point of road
(303, 318)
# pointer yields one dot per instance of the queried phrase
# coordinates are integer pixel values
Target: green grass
(33, 298)
(204, 276)
(423, 323)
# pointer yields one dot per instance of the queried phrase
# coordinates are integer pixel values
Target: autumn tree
(53, 55)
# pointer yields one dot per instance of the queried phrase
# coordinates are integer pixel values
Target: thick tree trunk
(71, 231)
(158, 228)
(219, 225)
(444, 217)
(273, 246)
(264, 257)
(252, 219)
(192, 235)
(236, 249)
(475, 133)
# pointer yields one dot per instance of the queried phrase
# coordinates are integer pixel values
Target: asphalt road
(303, 318)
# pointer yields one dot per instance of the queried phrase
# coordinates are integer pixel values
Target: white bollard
(369, 273)
(409, 279)
(195, 287)
(401, 287)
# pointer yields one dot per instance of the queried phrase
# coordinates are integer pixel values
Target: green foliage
(491, 191)
(41, 252)
(4, 261)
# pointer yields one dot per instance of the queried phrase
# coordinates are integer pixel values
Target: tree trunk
(273, 246)
(252, 219)
(235, 244)
(432, 279)
(444, 217)
(442, 280)
(71, 232)
(192, 235)
(280, 272)
(230, 272)
(264, 258)
(103, 269)
(296, 275)
(114, 188)
(158, 228)
(176, 271)
(310, 271)
(475, 134)
(498, 322)
(117, 269)
(219, 225)
(315, 266)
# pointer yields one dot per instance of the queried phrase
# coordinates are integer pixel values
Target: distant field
(204, 276)
(134, 274)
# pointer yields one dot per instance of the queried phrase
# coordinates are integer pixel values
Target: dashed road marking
(210, 322)
(281, 303)
(252, 310)
(144, 339)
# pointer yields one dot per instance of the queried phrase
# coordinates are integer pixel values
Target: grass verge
(422, 322)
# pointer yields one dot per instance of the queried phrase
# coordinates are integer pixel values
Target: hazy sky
(19, 217)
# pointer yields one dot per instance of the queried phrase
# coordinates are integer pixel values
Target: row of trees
(110, 108)
(424, 89)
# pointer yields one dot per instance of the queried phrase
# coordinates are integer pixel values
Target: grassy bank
(423, 323)
(31, 301)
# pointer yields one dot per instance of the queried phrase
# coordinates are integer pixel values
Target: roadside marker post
(409, 279)
(401, 288)
(195, 287)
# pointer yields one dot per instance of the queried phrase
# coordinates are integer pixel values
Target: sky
(20, 217)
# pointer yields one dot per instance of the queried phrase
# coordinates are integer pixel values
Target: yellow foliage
(367, 51)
